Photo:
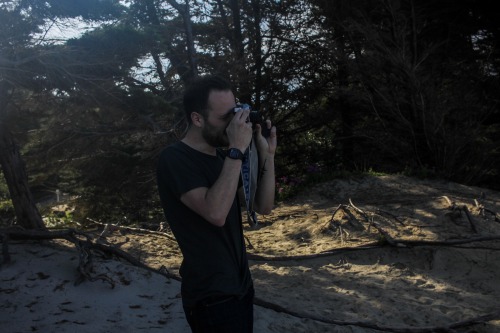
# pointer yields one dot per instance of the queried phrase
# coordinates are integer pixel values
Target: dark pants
(222, 315)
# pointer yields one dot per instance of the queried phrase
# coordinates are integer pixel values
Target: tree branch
(85, 248)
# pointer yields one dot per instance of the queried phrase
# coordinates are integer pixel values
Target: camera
(255, 117)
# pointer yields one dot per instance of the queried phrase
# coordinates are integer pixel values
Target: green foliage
(352, 86)
(54, 220)
(108, 47)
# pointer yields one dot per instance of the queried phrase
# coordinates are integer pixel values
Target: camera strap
(249, 172)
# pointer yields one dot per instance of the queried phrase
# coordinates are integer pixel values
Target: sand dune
(373, 254)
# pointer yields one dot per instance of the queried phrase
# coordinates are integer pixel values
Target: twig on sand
(469, 217)
(373, 223)
(109, 227)
(341, 231)
(383, 212)
(455, 210)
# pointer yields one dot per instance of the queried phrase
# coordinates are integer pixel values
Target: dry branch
(259, 257)
(450, 203)
(358, 210)
(382, 212)
(469, 217)
(457, 209)
(109, 227)
(483, 209)
(85, 247)
(372, 222)
(371, 245)
(449, 328)
(338, 226)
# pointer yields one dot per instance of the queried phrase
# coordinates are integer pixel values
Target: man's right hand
(239, 131)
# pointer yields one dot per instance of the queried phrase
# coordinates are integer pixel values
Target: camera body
(255, 117)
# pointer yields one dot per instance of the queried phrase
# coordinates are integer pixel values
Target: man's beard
(214, 136)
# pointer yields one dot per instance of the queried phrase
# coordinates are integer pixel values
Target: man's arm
(214, 203)
(266, 182)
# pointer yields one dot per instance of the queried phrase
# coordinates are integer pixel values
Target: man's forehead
(221, 100)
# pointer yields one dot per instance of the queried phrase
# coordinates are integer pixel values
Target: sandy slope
(368, 285)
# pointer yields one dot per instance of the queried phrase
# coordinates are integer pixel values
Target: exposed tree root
(386, 240)
(449, 328)
(86, 247)
(371, 245)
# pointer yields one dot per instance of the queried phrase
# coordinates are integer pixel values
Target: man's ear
(197, 119)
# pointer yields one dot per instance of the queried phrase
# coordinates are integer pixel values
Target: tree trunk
(15, 175)
(343, 85)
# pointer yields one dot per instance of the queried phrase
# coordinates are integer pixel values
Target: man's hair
(196, 95)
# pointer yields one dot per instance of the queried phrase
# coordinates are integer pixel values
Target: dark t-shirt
(214, 258)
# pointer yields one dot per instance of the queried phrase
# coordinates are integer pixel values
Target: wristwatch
(235, 154)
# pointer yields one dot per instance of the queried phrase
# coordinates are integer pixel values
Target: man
(198, 186)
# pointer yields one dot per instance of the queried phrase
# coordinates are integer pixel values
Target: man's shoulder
(173, 148)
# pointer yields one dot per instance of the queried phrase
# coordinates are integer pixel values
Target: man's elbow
(218, 221)
(265, 212)
(264, 209)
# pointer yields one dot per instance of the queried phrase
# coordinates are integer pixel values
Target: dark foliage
(391, 86)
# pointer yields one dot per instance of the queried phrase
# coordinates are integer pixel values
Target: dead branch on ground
(483, 210)
(400, 243)
(85, 246)
(456, 210)
(337, 226)
(109, 228)
(386, 239)
(371, 220)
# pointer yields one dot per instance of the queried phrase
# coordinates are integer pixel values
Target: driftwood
(85, 245)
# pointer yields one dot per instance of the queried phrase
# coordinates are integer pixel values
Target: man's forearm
(266, 183)
(214, 203)
(220, 196)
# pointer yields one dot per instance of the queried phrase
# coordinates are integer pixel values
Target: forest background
(395, 86)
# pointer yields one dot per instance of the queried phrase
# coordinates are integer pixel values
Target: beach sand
(371, 254)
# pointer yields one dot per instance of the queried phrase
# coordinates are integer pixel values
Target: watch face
(235, 154)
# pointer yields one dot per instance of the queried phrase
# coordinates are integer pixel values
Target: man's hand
(239, 131)
(266, 146)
